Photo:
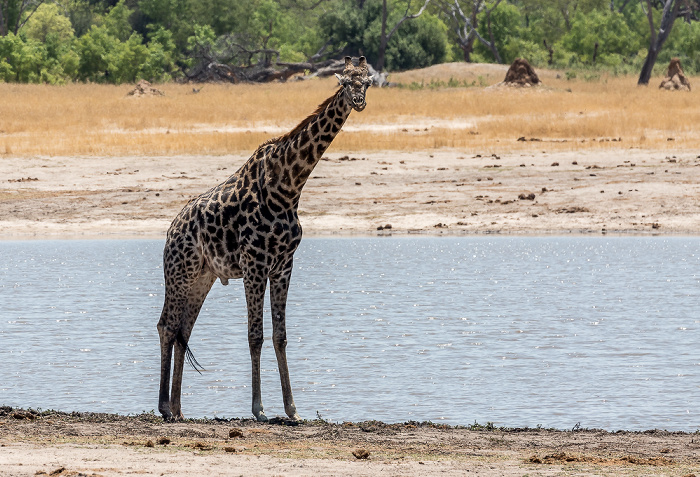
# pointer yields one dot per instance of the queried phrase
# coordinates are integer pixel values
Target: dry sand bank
(445, 191)
(109, 445)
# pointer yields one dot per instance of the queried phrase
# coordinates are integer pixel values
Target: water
(516, 331)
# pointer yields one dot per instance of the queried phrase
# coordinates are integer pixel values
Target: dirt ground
(614, 190)
(85, 444)
(596, 191)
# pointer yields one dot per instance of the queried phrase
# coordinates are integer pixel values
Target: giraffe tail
(188, 353)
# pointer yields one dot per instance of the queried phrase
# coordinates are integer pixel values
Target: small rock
(23, 415)
(163, 441)
(149, 443)
(526, 196)
(233, 433)
(571, 210)
(361, 454)
(200, 446)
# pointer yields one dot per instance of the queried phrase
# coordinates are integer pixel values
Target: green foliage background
(109, 41)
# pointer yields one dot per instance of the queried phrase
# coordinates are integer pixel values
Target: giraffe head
(355, 80)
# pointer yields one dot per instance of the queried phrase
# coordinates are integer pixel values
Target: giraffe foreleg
(279, 286)
(255, 297)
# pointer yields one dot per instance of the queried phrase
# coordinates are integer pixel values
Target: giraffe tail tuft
(188, 353)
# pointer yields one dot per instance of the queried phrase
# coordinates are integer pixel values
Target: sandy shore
(83, 444)
(446, 191)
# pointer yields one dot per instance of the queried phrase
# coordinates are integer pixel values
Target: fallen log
(211, 71)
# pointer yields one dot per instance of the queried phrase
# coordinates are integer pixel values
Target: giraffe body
(247, 227)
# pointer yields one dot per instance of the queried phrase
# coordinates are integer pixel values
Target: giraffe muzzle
(359, 103)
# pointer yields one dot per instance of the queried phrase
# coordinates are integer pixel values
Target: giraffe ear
(363, 62)
(341, 80)
(348, 62)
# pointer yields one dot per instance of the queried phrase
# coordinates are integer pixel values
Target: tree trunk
(647, 68)
(668, 17)
(467, 48)
(382, 40)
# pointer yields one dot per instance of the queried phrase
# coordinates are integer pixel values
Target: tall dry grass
(84, 119)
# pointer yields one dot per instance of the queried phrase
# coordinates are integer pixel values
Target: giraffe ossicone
(247, 227)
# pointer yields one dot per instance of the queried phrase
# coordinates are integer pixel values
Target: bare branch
(406, 16)
(23, 9)
(465, 26)
(321, 50)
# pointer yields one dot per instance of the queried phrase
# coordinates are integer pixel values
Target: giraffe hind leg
(167, 340)
(189, 355)
(195, 297)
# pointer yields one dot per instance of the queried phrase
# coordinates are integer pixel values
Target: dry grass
(564, 115)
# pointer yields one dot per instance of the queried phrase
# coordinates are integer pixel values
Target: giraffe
(247, 227)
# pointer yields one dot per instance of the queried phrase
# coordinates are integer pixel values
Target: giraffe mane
(300, 127)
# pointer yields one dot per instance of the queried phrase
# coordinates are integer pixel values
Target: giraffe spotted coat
(247, 227)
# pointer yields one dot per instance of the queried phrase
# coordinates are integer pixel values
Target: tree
(658, 37)
(463, 17)
(601, 37)
(422, 43)
(49, 20)
(15, 13)
(353, 31)
(385, 37)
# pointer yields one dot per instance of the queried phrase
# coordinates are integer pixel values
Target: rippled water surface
(517, 331)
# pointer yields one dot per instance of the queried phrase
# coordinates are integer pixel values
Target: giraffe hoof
(167, 415)
(262, 417)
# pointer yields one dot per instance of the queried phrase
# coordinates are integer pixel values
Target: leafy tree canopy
(124, 40)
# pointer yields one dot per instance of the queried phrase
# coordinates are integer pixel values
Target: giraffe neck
(295, 155)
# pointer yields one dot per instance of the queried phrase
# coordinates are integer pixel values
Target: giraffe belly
(224, 270)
